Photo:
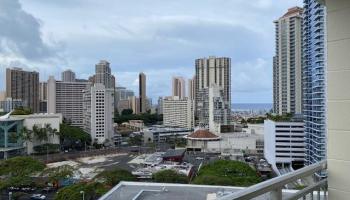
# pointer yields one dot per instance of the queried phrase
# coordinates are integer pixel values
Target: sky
(161, 38)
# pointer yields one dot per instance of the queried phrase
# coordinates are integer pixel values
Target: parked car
(48, 189)
(38, 197)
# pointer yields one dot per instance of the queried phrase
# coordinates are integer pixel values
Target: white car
(38, 197)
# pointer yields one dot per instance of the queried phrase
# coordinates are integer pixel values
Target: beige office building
(68, 76)
(142, 93)
(178, 112)
(23, 85)
(66, 98)
(192, 88)
(287, 63)
(179, 86)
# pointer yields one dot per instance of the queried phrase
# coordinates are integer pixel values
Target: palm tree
(40, 133)
(51, 132)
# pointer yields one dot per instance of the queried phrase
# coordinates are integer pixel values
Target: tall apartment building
(98, 112)
(314, 81)
(212, 72)
(284, 144)
(142, 93)
(287, 63)
(135, 104)
(43, 97)
(122, 98)
(98, 106)
(68, 76)
(212, 109)
(179, 86)
(192, 88)
(178, 112)
(160, 106)
(67, 98)
(103, 74)
(23, 85)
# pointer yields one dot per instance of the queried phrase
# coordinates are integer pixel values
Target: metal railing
(274, 186)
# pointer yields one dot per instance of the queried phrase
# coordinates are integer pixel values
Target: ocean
(251, 106)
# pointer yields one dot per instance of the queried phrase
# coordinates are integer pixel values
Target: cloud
(20, 33)
(160, 37)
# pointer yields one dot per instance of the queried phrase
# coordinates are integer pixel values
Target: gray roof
(163, 191)
(167, 191)
(174, 152)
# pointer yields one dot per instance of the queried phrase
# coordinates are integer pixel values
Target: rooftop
(166, 191)
(202, 134)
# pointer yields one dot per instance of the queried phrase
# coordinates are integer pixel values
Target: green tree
(73, 137)
(58, 173)
(169, 176)
(113, 177)
(127, 112)
(18, 171)
(227, 172)
(22, 111)
(136, 140)
(20, 166)
(91, 191)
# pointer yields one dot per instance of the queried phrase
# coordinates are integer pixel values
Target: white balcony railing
(274, 186)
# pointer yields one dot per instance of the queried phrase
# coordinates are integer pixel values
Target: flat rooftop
(162, 191)
(166, 191)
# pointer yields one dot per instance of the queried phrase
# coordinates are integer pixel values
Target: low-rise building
(11, 129)
(284, 144)
(200, 139)
(162, 134)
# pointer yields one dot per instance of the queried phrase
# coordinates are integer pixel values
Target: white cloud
(160, 37)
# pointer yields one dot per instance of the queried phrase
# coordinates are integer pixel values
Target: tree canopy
(91, 191)
(169, 176)
(22, 111)
(17, 171)
(113, 177)
(146, 117)
(73, 137)
(227, 172)
(58, 173)
(20, 166)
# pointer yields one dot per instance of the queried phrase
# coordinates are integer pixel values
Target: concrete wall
(338, 98)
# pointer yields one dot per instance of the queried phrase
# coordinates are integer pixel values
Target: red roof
(203, 134)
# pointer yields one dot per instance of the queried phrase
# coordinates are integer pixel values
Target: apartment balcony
(273, 187)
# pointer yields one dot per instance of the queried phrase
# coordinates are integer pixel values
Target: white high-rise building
(179, 86)
(66, 98)
(287, 63)
(211, 71)
(284, 143)
(212, 108)
(178, 112)
(99, 112)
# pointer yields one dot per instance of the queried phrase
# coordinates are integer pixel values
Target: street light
(83, 193)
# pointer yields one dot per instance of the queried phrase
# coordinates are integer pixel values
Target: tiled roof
(203, 134)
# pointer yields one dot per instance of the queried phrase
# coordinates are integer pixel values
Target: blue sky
(159, 37)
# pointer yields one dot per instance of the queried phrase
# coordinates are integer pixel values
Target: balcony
(273, 187)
